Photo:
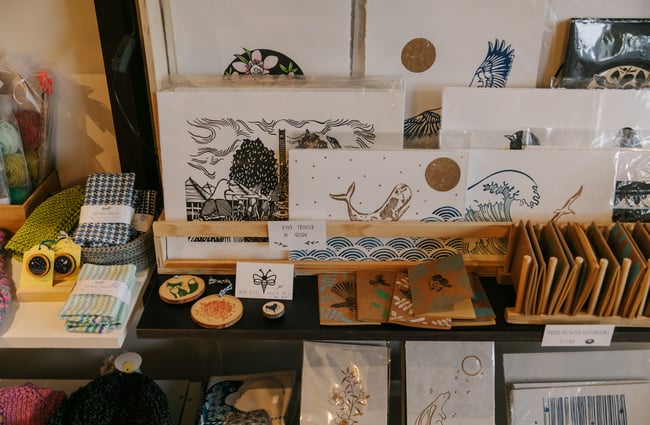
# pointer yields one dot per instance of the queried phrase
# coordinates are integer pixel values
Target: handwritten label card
(272, 281)
(295, 235)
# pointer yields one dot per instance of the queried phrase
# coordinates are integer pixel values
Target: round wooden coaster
(217, 311)
(181, 289)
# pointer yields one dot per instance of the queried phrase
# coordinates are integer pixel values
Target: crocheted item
(114, 399)
(104, 189)
(29, 404)
(102, 308)
(60, 212)
(5, 284)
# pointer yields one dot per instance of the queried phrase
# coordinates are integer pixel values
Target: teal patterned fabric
(99, 312)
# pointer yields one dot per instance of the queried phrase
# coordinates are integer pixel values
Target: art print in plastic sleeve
(449, 382)
(344, 384)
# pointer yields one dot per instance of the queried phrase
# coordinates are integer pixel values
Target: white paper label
(272, 281)
(142, 222)
(297, 235)
(113, 288)
(106, 214)
(577, 335)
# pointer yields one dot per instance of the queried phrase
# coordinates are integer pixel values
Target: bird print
(566, 208)
(422, 125)
(522, 138)
(348, 291)
(391, 210)
(496, 67)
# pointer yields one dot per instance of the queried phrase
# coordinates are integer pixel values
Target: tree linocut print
(224, 149)
(449, 382)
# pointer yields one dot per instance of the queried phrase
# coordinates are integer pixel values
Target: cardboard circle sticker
(217, 311)
(418, 55)
(442, 174)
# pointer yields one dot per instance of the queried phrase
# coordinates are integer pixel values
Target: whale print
(391, 210)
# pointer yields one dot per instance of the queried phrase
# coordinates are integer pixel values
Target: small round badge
(181, 289)
(64, 264)
(273, 309)
(38, 265)
(217, 311)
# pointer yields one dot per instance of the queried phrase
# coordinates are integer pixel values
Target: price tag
(577, 335)
(297, 235)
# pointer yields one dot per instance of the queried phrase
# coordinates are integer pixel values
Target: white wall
(62, 36)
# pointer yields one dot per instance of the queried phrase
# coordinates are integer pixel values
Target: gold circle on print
(181, 289)
(442, 174)
(418, 55)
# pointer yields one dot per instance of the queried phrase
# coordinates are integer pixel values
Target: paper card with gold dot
(413, 184)
(449, 382)
(433, 44)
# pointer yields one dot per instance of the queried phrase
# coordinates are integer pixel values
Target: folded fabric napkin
(100, 299)
(113, 191)
(58, 213)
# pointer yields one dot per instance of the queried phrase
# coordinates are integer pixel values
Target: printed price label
(577, 335)
(113, 288)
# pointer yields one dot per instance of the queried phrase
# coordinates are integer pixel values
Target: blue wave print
(353, 254)
(369, 243)
(414, 254)
(384, 254)
(400, 244)
(339, 242)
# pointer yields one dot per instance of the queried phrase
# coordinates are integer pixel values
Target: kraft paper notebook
(374, 291)
(580, 246)
(401, 308)
(624, 246)
(337, 299)
(603, 298)
(441, 288)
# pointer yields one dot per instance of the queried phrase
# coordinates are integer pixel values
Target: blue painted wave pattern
(388, 249)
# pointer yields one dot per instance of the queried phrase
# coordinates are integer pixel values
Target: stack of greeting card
(433, 294)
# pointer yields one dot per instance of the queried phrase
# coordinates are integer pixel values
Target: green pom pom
(18, 195)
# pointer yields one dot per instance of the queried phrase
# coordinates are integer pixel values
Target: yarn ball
(18, 195)
(16, 168)
(33, 163)
(29, 124)
(115, 398)
(10, 141)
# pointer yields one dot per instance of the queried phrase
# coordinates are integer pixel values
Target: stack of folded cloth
(107, 211)
(100, 300)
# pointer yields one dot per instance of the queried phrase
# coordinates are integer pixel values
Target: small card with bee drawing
(442, 287)
(374, 290)
(337, 300)
(273, 281)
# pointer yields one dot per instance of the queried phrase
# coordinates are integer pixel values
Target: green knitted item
(60, 212)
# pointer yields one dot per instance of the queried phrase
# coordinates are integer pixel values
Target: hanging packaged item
(607, 53)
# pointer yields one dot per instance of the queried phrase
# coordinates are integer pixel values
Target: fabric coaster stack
(100, 301)
(105, 190)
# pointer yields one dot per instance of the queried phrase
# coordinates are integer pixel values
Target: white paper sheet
(206, 35)
(540, 185)
(449, 382)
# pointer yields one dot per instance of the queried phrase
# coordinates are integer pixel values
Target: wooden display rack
(483, 265)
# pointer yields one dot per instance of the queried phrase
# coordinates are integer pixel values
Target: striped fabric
(106, 189)
(98, 313)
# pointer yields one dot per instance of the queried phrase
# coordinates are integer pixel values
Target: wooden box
(12, 217)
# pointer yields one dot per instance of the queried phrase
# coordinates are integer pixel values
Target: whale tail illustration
(344, 196)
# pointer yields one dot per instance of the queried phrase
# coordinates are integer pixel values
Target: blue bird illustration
(496, 67)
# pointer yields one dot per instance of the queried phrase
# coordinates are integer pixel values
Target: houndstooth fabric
(144, 204)
(98, 313)
(106, 189)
